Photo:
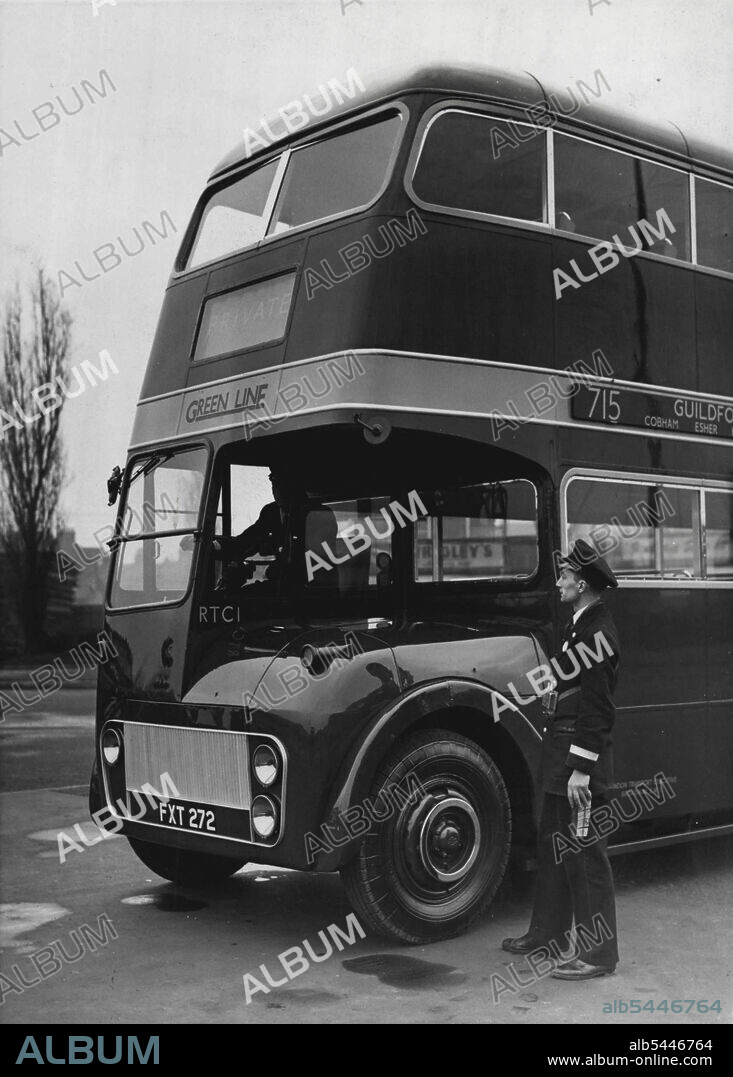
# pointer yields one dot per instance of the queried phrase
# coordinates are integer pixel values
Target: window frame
(693, 215)
(633, 157)
(370, 591)
(280, 163)
(120, 540)
(710, 489)
(546, 227)
(495, 583)
(304, 591)
(698, 485)
(414, 162)
(283, 156)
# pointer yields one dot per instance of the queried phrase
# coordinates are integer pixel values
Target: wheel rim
(445, 848)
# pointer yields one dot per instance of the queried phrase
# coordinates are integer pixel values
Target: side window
(643, 530)
(478, 532)
(348, 544)
(680, 553)
(602, 193)
(246, 497)
(483, 165)
(714, 217)
(719, 534)
(249, 490)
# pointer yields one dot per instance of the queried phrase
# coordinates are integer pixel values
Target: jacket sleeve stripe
(574, 750)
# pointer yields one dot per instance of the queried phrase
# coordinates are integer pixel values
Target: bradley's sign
(229, 402)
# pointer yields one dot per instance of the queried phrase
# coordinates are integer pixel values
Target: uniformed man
(576, 772)
(272, 534)
(267, 536)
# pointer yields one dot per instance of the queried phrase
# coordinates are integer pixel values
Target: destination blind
(654, 411)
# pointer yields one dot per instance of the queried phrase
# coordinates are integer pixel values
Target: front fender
(358, 771)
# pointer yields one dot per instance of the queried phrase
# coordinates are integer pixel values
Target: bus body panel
(657, 323)
(448, 705)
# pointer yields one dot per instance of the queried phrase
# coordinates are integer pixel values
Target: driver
(272, 535)
(267, 536)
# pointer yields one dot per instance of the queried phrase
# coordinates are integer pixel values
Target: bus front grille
(206, 766)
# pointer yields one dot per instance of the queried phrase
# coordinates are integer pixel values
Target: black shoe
(525, 944)
(580, 970)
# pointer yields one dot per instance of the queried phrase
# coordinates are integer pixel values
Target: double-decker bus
(407, 354)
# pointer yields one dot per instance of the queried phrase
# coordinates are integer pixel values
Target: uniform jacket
(578, 736)
(265, 536)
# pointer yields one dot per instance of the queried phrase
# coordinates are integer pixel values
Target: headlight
(264, 816)
(266, 765)
(308, 657)
(316, 660)
(111, 746)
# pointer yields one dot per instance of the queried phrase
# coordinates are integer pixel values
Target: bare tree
(31, 457)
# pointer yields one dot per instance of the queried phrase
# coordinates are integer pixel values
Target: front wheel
(184, 867)
(439, 841)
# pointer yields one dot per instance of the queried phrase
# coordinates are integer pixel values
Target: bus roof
(517, 90)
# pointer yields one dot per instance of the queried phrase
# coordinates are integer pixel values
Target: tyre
(181, 866)
(432, 865)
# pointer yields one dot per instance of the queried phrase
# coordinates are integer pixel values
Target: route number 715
(610, 408)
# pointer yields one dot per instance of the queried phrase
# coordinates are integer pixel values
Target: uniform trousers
(580, 886)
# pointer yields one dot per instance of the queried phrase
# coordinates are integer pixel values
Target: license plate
(181, 816)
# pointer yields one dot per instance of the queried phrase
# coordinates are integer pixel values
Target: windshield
(158, 528)
(337, 174)
(235, 216)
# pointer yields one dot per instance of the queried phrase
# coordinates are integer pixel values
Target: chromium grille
(206, 766)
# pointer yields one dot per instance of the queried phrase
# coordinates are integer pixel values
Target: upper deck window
(714, 212)
(472, 162)
(602, 193)
(337, 174)
(234, 216)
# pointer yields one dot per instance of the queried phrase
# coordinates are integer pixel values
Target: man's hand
(578, 791)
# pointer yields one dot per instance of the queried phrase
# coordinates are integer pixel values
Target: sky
(189, 76)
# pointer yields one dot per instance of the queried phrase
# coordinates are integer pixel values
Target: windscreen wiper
(150, 465)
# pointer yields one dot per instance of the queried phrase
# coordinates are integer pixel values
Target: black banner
(552, 1047)
(653, 411)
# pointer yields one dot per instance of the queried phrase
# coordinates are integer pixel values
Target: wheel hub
(446, 838)
(449, 837)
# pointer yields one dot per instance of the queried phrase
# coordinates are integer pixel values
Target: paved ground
(180, 955)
